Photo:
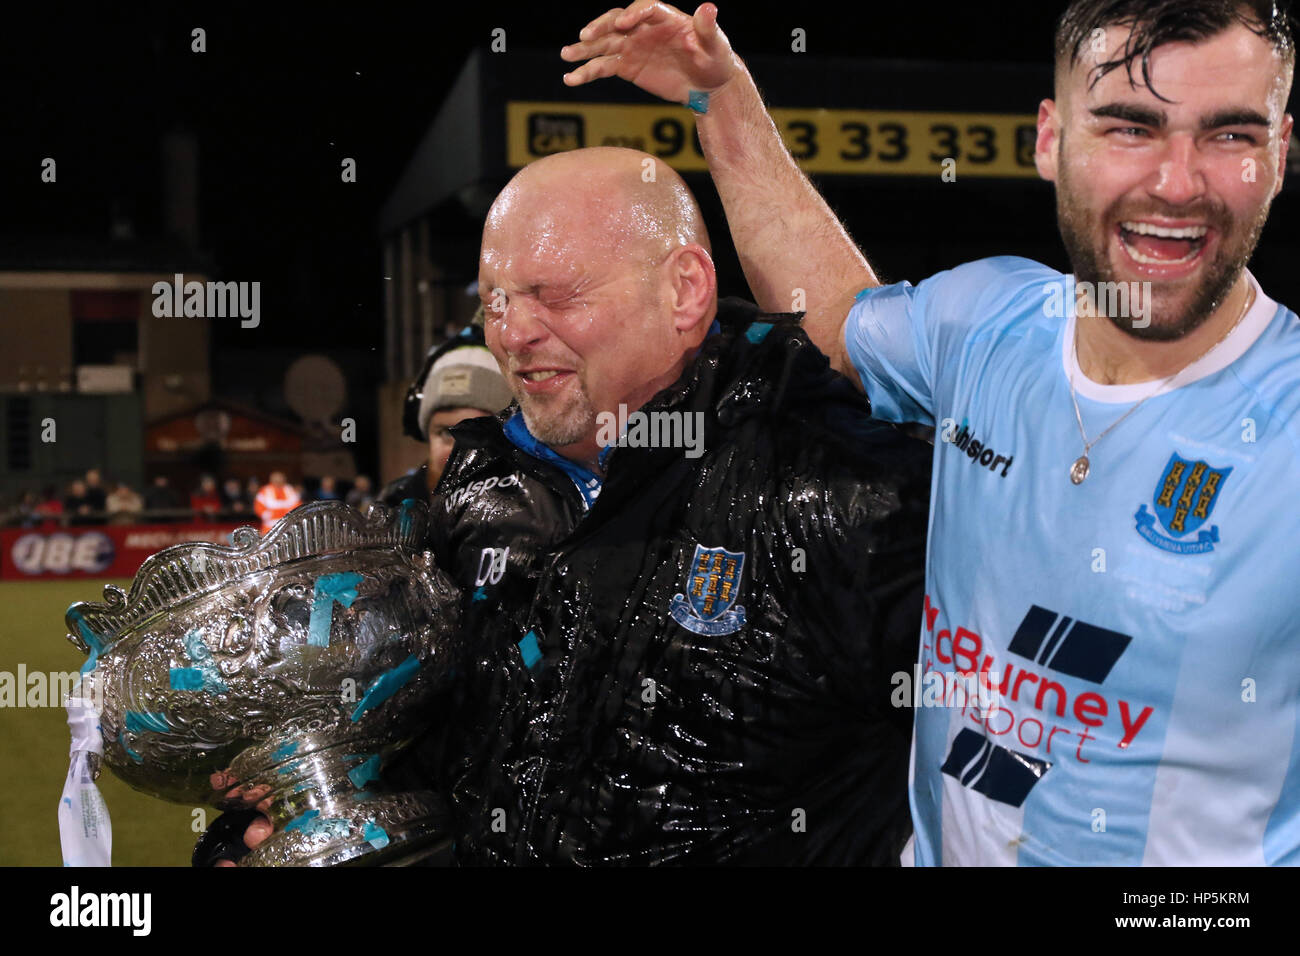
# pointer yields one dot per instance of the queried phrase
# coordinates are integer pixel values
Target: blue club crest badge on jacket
(1183, 499)
(712, 586)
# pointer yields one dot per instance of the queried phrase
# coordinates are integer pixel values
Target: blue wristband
(698, 101)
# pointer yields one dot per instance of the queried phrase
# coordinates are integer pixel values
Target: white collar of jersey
(1250, 328)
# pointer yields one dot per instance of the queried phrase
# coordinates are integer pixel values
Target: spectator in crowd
(123, 504)
(361, 495)
(252, 487)
(327, 490)
(96, 494)
(233, 498)
(26, 511)
(275, 500)
(76, 504)
(23, 511)
(49, 510)
(205, 501)
(161, 496)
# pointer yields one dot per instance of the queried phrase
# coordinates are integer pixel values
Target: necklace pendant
(1079, 470)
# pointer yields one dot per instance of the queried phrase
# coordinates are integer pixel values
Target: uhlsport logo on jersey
(1183, 499)
(712, 586)
(962, 437)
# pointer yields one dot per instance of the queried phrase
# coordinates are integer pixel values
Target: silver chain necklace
(1079, 470)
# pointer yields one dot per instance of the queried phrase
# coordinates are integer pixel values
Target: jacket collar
(741, 371)
(588, 483)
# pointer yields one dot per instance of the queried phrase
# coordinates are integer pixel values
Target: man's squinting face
(1172, 193)
(573, 312)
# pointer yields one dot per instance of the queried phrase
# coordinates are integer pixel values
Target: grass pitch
(34, 755)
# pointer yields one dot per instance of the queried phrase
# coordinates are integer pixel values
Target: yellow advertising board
(843, 142)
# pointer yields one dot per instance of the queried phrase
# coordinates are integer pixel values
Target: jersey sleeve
(906, 341)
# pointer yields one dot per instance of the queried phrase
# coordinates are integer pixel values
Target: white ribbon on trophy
(84, 828)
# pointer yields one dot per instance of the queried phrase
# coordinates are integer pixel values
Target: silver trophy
(280, 673)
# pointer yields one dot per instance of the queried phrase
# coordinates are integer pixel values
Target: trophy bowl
(281, 674)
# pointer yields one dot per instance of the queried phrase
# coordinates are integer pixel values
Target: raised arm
(786, 235)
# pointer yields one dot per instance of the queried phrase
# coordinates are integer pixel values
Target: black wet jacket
(605, 710)
(413, 485)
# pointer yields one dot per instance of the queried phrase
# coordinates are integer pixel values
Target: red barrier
(97, 551)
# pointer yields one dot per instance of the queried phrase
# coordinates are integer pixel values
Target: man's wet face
(1171, 193)
(578, 326)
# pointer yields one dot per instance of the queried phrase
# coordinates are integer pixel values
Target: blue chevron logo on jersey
(1000, 773)
(1183, 498)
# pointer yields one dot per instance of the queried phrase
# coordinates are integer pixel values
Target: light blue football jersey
(1109, 673)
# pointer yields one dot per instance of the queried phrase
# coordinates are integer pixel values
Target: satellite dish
(315, 388)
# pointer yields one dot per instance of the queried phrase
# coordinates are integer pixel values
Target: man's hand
(255, 835)
(221, 844)
(237, 831)
(657, 47)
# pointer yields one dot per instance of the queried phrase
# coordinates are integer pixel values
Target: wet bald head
(636, 203)
(598, 287)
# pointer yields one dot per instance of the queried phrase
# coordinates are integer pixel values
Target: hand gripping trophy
(279, 673)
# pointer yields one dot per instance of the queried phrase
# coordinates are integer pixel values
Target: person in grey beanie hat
(460, 379)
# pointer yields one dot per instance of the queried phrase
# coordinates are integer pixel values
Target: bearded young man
(1114, 493)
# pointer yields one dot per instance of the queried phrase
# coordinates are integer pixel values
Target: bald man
(691, 561)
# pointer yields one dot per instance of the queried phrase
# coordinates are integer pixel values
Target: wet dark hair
(1157, 22)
